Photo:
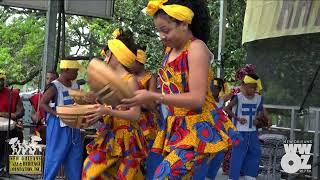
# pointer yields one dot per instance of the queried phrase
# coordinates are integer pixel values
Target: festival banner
(26, 157)
(275, 18)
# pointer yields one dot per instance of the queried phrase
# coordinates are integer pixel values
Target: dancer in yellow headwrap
(245, 108)
(147, 81)
(190, 132)
(120, 145)
(221, 94)
(64, 144)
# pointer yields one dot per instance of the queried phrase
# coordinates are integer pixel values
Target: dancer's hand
(97, 113)
(90, 97)
(243, 120)
(140, 97)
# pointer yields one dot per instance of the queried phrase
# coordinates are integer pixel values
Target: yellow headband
(179, 12)
(215, 82)
(249, 80)
(122, 52)
(69, 64)
(224, 90)
(116, 33)
(141, 56)
(103, 53)
(2, 74)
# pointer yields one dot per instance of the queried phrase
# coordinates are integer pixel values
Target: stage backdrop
(274, 18)
(282, 39)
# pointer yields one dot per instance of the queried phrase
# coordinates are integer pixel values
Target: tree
(21, 44)
(22, 49)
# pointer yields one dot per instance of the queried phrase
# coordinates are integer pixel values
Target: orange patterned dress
(117, 151)
(187, 136)
(148, 118)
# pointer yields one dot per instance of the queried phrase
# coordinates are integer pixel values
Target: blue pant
(246, 156)
(214, 165)
(154, 159)
(64, 147)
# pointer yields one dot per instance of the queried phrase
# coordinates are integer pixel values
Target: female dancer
(190, 133)
(120, 146)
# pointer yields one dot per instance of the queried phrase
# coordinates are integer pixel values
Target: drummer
(17, 112)
(64, 144)
(38, 115)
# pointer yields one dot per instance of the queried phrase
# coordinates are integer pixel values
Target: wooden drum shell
(106, 84)
(74, 115)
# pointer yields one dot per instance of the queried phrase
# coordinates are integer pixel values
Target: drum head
(73, 115)
(78, 96)
(106, 84)
(4, 124)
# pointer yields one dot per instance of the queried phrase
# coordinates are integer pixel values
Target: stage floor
(220, 176)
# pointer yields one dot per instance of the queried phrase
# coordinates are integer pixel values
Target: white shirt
(248, 109)
(63, 97)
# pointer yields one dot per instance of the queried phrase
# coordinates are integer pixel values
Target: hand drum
(73, 115)
(106, 84)
(4, 124)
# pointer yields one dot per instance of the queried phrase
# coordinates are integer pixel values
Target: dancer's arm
(198, 61)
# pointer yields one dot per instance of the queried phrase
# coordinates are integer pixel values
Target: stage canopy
(94, 8)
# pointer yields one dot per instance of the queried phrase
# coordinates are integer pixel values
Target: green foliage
(22, 36)
(21, 46)
(287, 66)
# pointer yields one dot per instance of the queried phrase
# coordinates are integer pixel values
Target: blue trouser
(246, 156)
(64, 147)
(155, 159)
(214, 165)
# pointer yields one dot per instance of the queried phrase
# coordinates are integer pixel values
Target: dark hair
(200, 26)
(126, 37)
(53, 72)
(254, 76)
(220, 83)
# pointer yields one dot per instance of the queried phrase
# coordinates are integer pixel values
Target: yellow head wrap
(224, 90)
(123, 54)
(103, 53)
(179, 12)
(116, 33)
(2, 74)
(249, 80)
(69, 64)
(141, 56)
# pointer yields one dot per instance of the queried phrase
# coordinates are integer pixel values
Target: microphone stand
(301, 109)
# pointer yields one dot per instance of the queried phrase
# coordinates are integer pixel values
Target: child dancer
(244, 108)
(146, 81)
(221, 94)
(120, 146)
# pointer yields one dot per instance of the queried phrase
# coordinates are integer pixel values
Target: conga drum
(73, 115)
(106, 84)
(272, 150)
(4, 124)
